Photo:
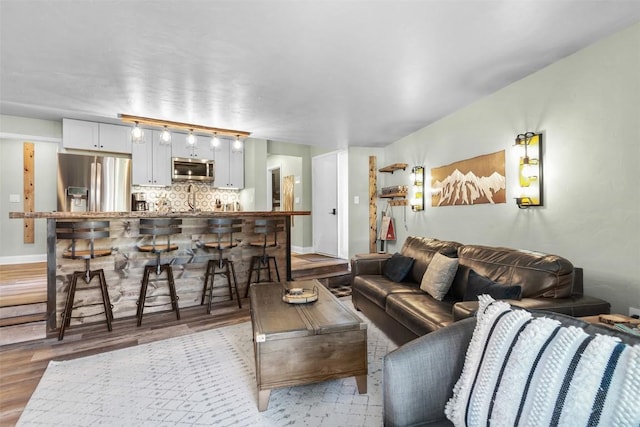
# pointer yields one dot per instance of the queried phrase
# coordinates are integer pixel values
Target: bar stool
(223, 228)
(84, 230)
(158, 227)
(269, 228)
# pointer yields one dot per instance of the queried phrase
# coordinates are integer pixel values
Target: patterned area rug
(207, 378)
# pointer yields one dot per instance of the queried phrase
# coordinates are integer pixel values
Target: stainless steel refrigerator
(93, 183)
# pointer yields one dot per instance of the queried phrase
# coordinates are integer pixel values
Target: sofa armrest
(419, 376)
(368, 264)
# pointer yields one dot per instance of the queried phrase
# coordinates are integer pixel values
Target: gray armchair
(419, 376)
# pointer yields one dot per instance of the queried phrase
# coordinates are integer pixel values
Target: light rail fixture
(167, 124)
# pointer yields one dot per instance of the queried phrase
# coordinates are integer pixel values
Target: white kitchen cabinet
(151, 161)
(80, 134)
(229, 165)
(201, 150)
(93, 136)
(115, 138)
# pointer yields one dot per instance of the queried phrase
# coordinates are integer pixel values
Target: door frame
(342, 181)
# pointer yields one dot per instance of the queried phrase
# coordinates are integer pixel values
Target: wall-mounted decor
(470, 182)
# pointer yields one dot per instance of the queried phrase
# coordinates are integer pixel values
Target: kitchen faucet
(191, 193)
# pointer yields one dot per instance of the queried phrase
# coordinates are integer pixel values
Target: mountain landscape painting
(470, 182)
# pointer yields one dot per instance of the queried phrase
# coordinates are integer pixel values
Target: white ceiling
(326, 73)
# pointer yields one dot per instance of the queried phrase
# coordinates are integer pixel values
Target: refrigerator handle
(98, 187)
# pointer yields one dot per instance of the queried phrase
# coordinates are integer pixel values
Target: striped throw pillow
(525, 370)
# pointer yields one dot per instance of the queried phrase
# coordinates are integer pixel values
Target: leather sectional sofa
(404, 311)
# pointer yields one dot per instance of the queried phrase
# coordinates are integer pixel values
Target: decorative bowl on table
(300, 295)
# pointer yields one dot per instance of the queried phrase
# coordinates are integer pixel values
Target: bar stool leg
(275, 265)
(207, 274)
(227, 273)
(172, 289)
(235, 282)
(246, 291)
(105, 296)
(213, 277)
(68, 307)
(143, 292)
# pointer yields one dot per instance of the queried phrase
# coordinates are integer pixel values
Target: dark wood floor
(23, 364)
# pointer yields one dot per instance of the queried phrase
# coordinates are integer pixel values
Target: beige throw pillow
(439, 276)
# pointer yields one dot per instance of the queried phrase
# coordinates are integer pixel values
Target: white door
(325, 204)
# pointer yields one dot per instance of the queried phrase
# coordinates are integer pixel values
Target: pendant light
(137, 134)
(165, 137)
(191, 138)
(215, 142)
(237, 144)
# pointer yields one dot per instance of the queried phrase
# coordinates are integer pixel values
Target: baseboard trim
(23, 259)
(301, 250)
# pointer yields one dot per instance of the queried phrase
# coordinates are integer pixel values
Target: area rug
(206, 378)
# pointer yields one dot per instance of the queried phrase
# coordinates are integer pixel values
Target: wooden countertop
(147, 214)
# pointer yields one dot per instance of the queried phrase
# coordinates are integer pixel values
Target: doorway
(329, 208)
(273, 189)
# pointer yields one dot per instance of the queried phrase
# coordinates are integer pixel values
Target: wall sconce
(417, 188)
(529, 170)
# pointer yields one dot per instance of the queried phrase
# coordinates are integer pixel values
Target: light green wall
(257, 154)
(45, 136)
(587, 108)
(359, 187)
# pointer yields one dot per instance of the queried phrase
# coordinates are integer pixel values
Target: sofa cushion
(439, 275)
(376, 288)
(420, 313)
(397, 267)
(422, 250)
(520, 367)
(478, 285)
(540, 275)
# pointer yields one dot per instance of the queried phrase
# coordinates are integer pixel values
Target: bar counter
(125, 266)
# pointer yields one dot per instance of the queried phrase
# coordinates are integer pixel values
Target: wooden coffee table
(298, 344)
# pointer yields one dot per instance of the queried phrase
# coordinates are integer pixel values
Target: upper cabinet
(229, 165)
(151, 161)
(84, 135)
(200, 150)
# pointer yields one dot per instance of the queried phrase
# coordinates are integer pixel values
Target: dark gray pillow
(397, 267)
(478, 285)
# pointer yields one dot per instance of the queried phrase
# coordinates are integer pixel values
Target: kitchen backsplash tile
(175, 198)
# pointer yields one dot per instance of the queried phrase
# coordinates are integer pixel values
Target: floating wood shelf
(402, 202)
(392, 195)
(394, 167)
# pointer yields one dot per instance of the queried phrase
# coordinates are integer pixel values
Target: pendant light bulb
(237, 144)
(191, 138)
(165, 137)
(215, 142)
(137, 134)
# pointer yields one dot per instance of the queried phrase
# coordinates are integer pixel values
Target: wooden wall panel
(373, 196)
(28, 154)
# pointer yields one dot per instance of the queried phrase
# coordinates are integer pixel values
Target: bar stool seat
(89, 231)
(158, 227)
(223, 229)
(269, 229)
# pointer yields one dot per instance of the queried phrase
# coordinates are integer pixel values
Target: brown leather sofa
(404, 312)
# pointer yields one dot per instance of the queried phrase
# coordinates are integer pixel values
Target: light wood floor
(23, 364)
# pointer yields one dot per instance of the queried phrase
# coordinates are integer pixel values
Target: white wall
(587, 106)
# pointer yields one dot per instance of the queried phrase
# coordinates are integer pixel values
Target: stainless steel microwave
(193, 169)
